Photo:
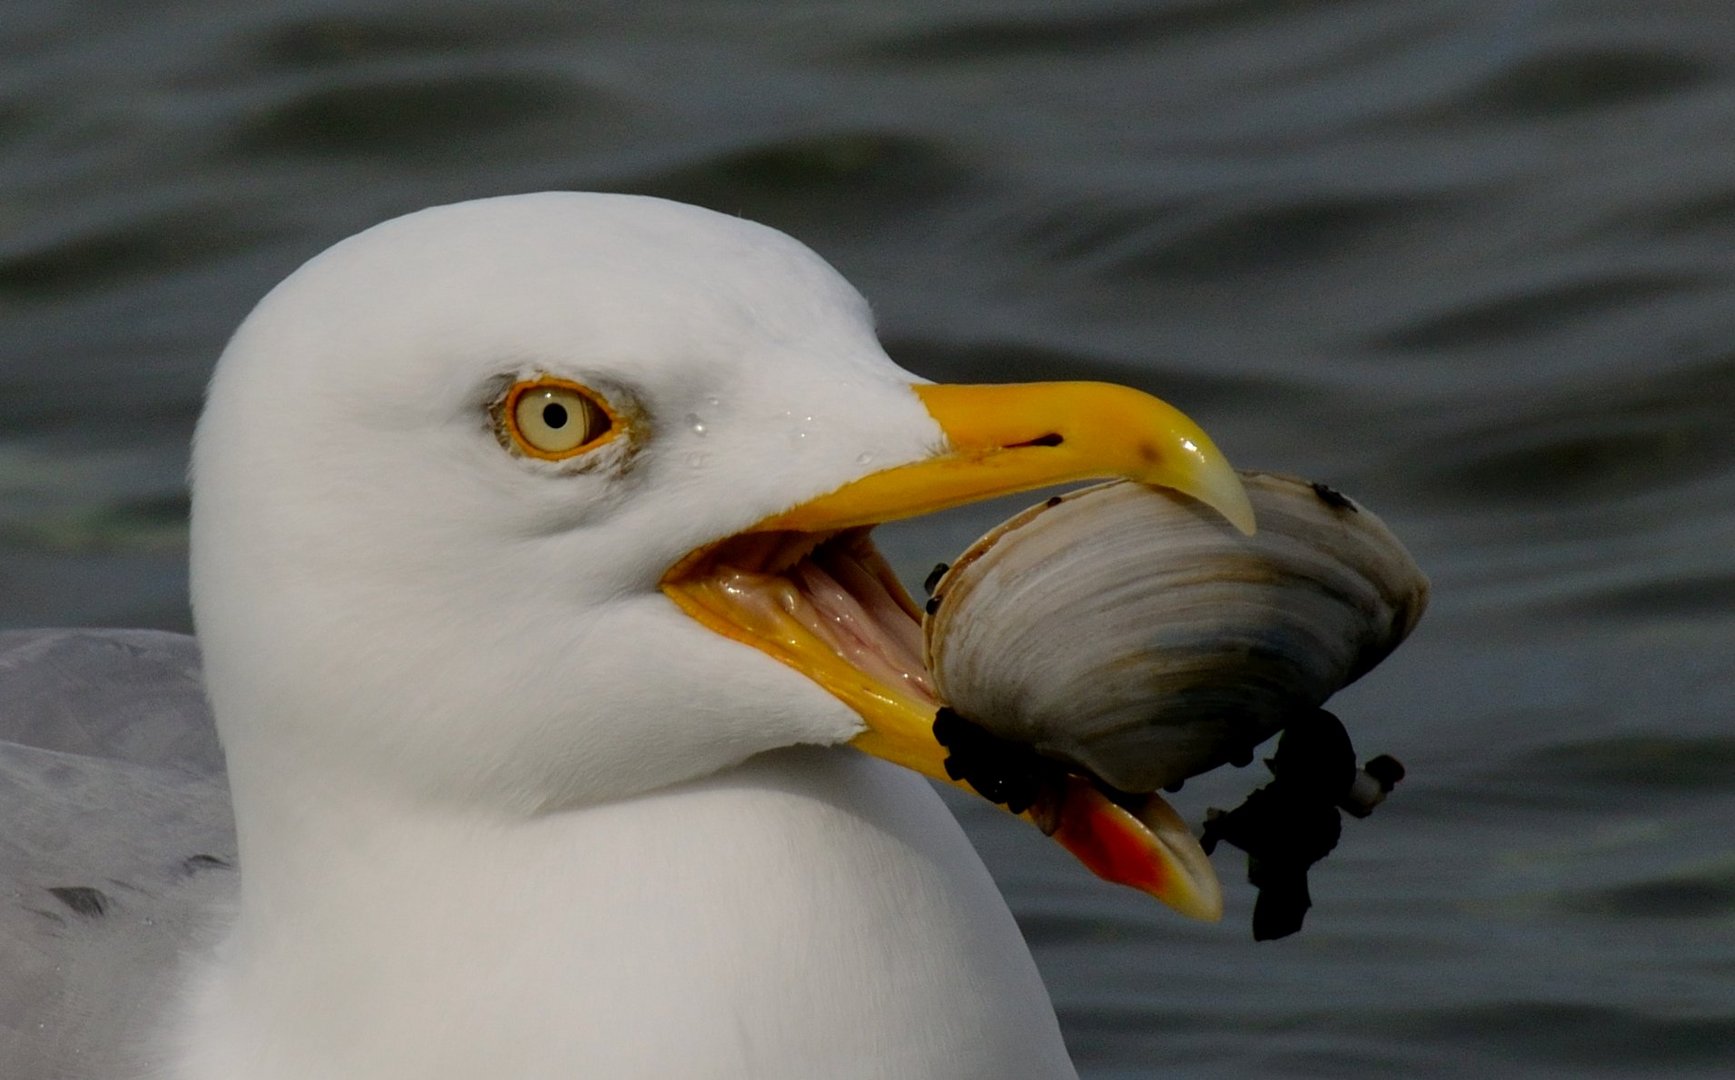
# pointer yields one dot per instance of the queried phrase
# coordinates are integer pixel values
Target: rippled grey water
(1472, 261)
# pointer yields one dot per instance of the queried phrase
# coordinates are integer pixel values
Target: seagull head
(537, 502)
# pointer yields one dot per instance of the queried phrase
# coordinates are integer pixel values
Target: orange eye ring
(554, 419)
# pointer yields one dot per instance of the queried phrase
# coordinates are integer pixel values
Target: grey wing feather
(117, 845)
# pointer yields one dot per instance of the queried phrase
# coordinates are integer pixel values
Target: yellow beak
(1011, 438)
(1000, 440)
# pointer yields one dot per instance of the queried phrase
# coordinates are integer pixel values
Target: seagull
(572, 724)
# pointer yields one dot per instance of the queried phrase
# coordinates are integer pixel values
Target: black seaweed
(1293, 822)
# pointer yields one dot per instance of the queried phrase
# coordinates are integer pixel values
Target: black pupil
(554, 414)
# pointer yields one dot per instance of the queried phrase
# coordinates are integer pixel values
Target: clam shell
(1134, 633)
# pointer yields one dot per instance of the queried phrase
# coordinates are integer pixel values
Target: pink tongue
(884, 611)
(867, 627)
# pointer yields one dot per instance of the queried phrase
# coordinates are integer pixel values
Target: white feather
(503, 810)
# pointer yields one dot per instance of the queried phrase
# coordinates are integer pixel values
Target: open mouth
(807, 587)
(828, 605)
(825, 603)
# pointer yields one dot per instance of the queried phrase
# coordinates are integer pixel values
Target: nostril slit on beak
(1053, 438)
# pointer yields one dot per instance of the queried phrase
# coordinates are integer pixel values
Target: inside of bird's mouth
(825, 603)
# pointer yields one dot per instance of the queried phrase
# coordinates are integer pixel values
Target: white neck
(811, 913)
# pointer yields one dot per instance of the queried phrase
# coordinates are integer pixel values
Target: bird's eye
(553, 419)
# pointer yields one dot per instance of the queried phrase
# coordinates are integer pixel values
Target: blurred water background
(1472, 261)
